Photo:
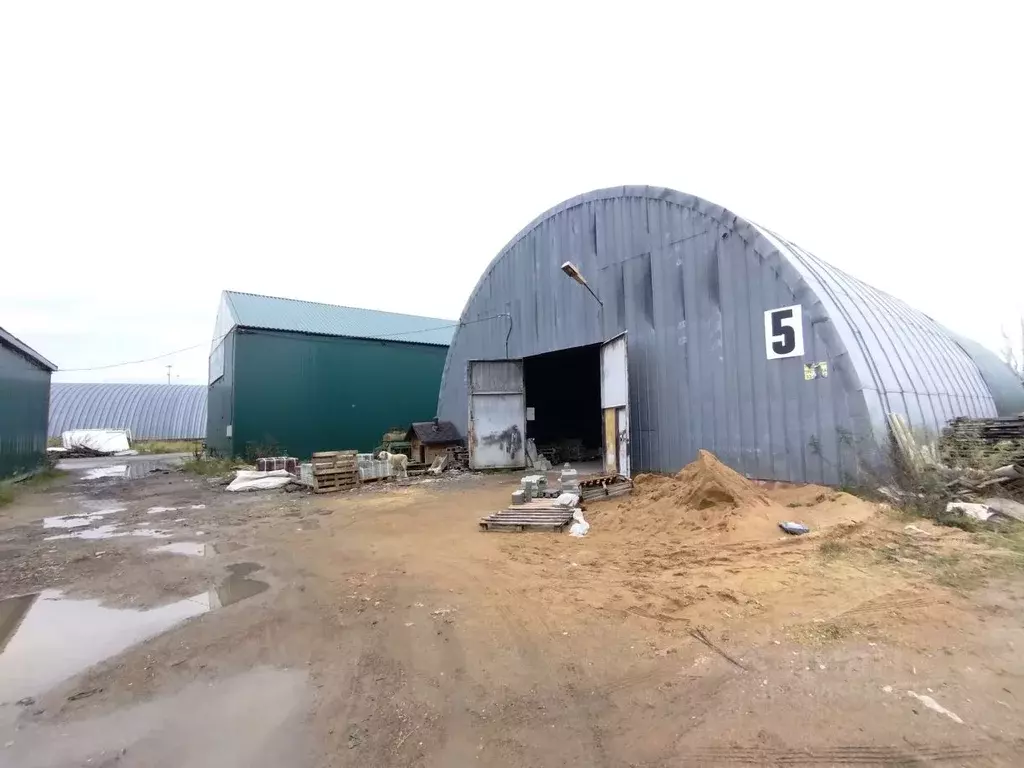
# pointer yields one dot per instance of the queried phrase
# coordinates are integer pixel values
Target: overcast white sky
(153, 154)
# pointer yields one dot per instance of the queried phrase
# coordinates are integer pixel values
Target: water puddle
(190, 548)
(98, 473)
(238, 586)
(111, 531)
(46, 637)
(138, 469)
(79, 521)
(131, 471)
(160, 510)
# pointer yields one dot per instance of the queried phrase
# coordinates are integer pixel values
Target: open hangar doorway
(572, 402)
(563, 404)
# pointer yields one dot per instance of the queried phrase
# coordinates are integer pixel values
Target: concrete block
(519, 496)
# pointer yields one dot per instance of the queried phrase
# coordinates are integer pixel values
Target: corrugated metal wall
(303, 393)
(689, 283)
(24, 401)
(150, 411)
(220, 401)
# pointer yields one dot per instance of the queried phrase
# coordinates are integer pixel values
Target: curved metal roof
(150, 411)
(689, 282)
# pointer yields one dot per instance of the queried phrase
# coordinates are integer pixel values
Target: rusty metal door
(497, 414)
(615, 405)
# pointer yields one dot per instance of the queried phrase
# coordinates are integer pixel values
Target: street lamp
(572, 271)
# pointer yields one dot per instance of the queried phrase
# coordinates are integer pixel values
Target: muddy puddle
(80, 520)
(110, 531)
(129, 471)
(188, 548)
(46, 637)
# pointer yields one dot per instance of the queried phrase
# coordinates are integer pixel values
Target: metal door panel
(615, 405)
(497, 414)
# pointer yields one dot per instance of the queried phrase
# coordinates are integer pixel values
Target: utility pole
(168, 373)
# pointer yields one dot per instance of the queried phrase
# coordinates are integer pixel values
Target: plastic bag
(247, 480)
(580, 527)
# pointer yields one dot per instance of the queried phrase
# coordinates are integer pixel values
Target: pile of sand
(708, 496)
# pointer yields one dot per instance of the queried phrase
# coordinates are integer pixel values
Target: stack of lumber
(604, 486)
(983, 443)
(334, 471)
(534, 515)
(975, 485)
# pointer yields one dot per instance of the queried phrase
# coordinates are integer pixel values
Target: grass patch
(956, 572)
(208, 466)
(168, 446)
(1010, 537)
(823, 633)
(831, 549)
(43, 479)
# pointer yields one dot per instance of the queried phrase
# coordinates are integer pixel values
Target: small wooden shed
(429, 439)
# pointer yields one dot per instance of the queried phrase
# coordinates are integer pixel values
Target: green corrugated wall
(24, 412)
(299, 394)
(219, 401)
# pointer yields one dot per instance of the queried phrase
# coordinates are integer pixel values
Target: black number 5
(788, 341)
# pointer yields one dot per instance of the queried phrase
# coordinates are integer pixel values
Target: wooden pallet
(334, 471)
(535, 515)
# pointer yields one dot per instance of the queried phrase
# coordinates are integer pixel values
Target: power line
(218, 338)
(134, 362)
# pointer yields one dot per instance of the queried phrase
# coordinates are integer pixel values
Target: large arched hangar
(715, 333)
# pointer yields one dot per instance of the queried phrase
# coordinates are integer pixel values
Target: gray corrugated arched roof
(689, 283)
(150, 411)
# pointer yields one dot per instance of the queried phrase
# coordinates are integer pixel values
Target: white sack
(580, 527)
(249, 480)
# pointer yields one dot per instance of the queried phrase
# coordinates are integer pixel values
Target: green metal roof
(254, 311)
(9, 340)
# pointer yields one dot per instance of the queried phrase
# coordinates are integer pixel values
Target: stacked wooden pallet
(334, 471)
(604, 486)
(534, 515)
(983, 443)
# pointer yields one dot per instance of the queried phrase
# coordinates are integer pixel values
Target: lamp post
(572, 271)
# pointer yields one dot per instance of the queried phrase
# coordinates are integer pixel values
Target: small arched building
(702, 330)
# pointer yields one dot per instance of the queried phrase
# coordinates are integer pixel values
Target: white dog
(399, 463)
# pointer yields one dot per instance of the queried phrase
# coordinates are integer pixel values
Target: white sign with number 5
(784, 332)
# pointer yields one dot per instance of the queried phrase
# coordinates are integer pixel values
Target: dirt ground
(392, 632)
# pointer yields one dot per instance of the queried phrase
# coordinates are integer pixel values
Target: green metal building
(24, 406)
(292, 377)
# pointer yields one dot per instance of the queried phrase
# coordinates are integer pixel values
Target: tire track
(853, 754)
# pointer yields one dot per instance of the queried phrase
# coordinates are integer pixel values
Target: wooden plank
(529, 514)
(521, 527)
(333, 482)
(538, 519)
(338, 486)
(526, 516)
(562, 512)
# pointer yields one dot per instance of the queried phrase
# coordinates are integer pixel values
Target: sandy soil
(394, 633)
